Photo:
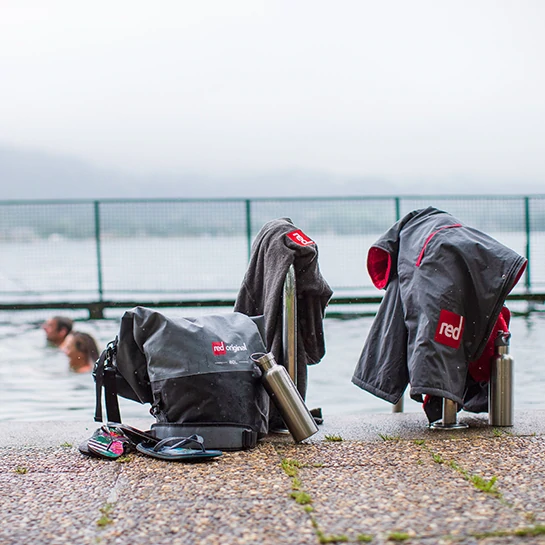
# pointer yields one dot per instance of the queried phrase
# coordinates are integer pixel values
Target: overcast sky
(394, 90)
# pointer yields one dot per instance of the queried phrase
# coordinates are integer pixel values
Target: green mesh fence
(174, 249)
(48, 250)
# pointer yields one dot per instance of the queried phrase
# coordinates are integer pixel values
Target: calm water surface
(35, 383)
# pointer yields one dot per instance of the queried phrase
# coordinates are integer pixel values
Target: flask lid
(264, 361)
(502, 339)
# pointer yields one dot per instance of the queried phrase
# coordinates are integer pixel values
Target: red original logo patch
(300, 238)
(450, 329)
(218, 348)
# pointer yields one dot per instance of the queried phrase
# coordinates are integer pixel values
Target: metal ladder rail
(289, 324)
(398, 407)
(449, 421)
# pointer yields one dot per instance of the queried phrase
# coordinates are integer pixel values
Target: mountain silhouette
(36, 175)
(30, 174)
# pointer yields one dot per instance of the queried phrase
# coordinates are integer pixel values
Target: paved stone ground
(387, 478)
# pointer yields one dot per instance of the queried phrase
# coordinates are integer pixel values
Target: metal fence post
(527, 225)
(398, 407)
(98, 250)
(249, 227)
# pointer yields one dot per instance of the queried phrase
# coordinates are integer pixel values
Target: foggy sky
(449, 91)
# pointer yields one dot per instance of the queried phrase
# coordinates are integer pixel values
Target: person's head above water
(56, 329)
(82, 351)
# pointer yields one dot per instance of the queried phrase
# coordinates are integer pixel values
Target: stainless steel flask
(500, 387)
(286, 397)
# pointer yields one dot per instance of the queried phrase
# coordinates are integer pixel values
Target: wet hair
(64, 323)
(85, 344)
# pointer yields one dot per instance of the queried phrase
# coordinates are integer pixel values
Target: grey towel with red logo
(278, 245)
(446, 284)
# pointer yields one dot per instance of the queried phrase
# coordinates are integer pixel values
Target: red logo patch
(218, 348)
(300, 238)
(450, 329)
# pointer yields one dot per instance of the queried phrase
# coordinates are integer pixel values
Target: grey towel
(278, 245)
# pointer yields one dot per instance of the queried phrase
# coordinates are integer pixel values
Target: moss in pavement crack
(479, 482)
(537, 530)
(106, 511)
(291, 469)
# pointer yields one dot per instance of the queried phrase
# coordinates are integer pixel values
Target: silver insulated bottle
(286, 397)
(500, 389)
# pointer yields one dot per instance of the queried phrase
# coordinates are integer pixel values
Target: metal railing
(289, 324)
(108, 253)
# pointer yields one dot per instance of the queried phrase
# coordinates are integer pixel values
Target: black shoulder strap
(105, 376)
(98, 375)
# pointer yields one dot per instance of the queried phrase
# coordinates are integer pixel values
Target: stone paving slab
(51, 506)
(353, 427)
(423, 489)
(386, 477)
(372, 427)
(517, 462)
(59, 496)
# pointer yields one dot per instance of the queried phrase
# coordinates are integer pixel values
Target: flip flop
(173, 449)
(107, 443)
(84, 447)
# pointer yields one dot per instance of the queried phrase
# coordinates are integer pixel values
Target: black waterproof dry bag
(196, 373)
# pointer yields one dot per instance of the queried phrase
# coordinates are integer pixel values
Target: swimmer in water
(81, 349)
(57, 329)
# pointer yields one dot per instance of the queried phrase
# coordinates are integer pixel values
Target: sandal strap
(177, 442)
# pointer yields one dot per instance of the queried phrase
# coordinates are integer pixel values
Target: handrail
(289, 324)
(398, 407)
(449, 420)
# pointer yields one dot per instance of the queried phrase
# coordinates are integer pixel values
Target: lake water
(35, 383)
